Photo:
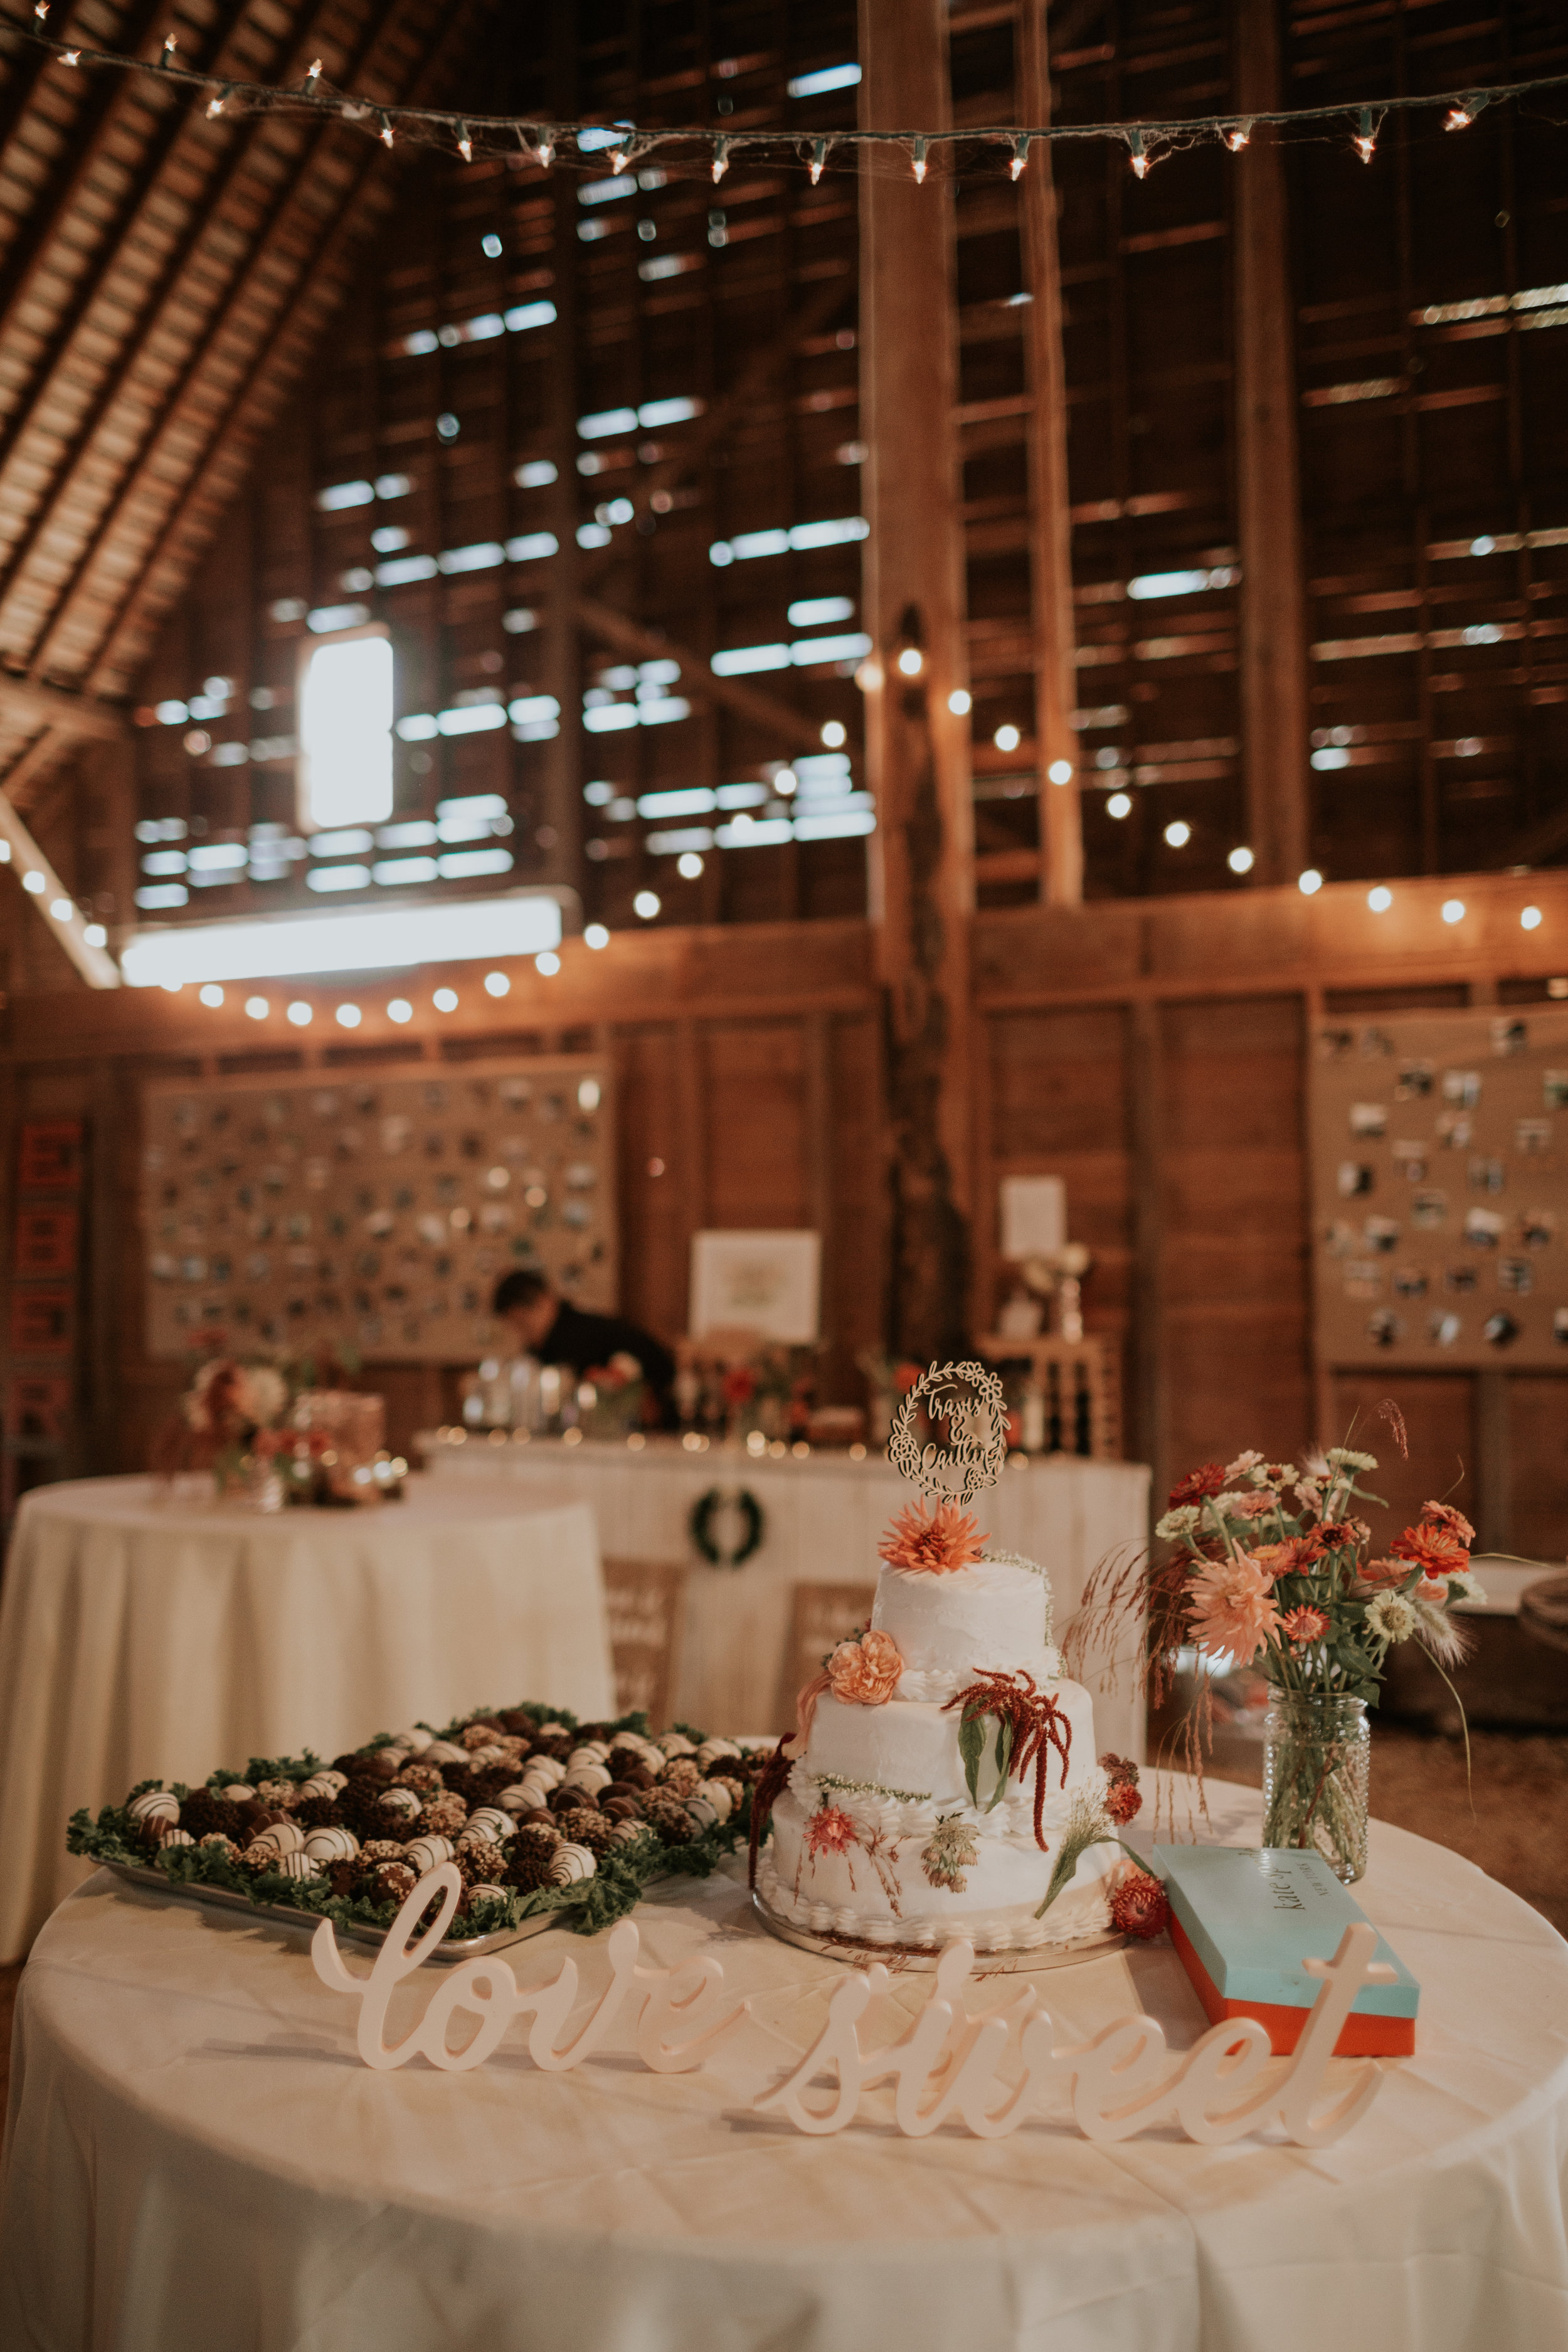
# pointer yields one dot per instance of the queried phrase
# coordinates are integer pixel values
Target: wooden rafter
(96, 967)
(747, 703)
(165, 420)
(30, 706)
(254, 398)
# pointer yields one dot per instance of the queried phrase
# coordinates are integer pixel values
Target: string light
(465, 144)
(720, 160)
(41, 10)
(1366, 137)
(1239, 137)
(1460, 117)
(618, 160)
(170, 46)
(818, 158)
(1139, 155)
(70, 58)
(546, 152)
(216, 105)
(386, 134)
(313, 73)
(918, 163)
(1020, 163)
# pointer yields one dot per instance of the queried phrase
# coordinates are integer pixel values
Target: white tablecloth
(198, 2163)
(143, 1638)
(823, 1517)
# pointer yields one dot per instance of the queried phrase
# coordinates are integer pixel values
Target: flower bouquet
(1274, 1567)
(617, 1401)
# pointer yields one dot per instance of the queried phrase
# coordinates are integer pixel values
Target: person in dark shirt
(545, 1325)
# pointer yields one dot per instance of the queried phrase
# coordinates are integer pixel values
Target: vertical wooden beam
(1150, 1416)
(1273, 616)
(917, 750)
(1050, 530)
(563, 764)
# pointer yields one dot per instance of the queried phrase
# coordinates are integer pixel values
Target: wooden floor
(1518, 1831)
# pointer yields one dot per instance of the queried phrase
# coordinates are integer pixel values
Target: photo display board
(1440, 1189)
(373, 1211)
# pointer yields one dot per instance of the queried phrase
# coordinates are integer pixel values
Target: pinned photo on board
(1354, 1179)
(1487, 1175)
(1429, 1210)
(1532, 1136)
(1373, 1042)
(1414, 1081)
(1333, 1044)
(1509, 1036)
(1454, 1130)
(1369, 1120)
(1515, 1273)
(1537, 1228)
(1363, 1279)
(1560, 1326)
(1554, 1089)
(1443, 1330)
(1462, 1088)
(1499, 1330)
(1383, 1328)
(1459, 1279)
(1409, 1282)
(1380, 1232)
(1484, 1228)
(1339, 1239)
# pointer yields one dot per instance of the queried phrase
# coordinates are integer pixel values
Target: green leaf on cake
(972, 1748)
(1004, 1757)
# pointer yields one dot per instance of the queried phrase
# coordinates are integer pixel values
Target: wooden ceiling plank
(46, 748)
(166, 291)
(165, 567)
(143, 191)
(74, 714)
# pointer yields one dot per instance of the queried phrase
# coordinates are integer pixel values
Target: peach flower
(1231, 1607)
(865, 1671)
(934, 1545)
(1434, 1549)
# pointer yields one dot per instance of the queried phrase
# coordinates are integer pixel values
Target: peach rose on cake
(865, 1671)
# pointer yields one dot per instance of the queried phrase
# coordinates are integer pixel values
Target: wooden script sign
(945, 2064)
(375, 1211)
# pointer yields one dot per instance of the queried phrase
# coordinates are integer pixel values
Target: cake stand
(861, 1952)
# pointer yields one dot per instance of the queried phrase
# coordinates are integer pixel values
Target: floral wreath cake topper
(970, 1400)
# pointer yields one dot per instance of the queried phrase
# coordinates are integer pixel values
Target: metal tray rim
(283, 1915)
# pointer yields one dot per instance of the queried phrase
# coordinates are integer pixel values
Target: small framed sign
(766, 1283)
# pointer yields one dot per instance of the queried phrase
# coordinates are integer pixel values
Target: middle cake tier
(908, 1749)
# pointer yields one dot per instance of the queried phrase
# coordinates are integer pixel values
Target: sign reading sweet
(944, 2063)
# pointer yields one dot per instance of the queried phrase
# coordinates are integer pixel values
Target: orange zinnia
(1434, 1549)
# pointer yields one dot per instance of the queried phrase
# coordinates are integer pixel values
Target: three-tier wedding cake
(942, 1778)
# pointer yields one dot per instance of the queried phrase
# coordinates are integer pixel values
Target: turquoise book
(1243, 1919)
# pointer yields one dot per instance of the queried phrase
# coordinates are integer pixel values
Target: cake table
(197, 2160)
(143, 1636)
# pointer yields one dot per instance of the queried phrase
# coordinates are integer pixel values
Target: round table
(198, 2159)
(146, 1635)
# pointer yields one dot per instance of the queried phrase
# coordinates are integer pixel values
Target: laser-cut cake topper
(968, 1399)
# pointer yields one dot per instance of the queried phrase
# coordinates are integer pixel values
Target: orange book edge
(1365, 2034)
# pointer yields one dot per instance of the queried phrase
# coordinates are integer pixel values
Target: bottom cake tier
(920, 1879)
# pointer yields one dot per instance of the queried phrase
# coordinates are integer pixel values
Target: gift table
(196, 2159)
(144, 1635)
(820, 1515)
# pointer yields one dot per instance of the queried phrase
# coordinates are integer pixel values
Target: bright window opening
(346, 732)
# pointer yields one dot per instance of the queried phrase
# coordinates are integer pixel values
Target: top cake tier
(993, 1615)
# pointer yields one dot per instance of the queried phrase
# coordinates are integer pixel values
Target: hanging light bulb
(170, 46)
(1366, 137)
(1140, 159)
(918, 163)
(386, 131)
(214, 106)
(314, 74)
(1237, 137)
(818, 158)
(70, 58)
(41, 10)
(721, 159)
(1460, 117)
(1020, 163)
(465, 144)
(618, 160)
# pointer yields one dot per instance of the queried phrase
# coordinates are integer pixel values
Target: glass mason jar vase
(1316, 1757)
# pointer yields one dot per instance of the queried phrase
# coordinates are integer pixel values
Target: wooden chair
(821, 1615)
(643, 1601)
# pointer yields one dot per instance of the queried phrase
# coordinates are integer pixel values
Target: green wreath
(701, 1522)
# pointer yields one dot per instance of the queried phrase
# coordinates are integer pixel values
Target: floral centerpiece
(619, 1396)
(236, 1421)
(1275, 1567)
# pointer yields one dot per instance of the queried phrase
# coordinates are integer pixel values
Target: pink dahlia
(1231, 1608)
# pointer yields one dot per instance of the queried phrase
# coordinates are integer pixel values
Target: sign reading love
(945, 2063)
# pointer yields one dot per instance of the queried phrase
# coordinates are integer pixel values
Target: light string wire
(534, 139)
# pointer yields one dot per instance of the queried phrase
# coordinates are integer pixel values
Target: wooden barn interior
(982, 657)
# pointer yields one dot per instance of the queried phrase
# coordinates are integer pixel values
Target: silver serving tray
(924, 1957)
(284, 1914)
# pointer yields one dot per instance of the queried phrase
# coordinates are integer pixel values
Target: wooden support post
(1149, 1401)
(565, 769)
(1273, 632)
(917, 750)
(1050, 555)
